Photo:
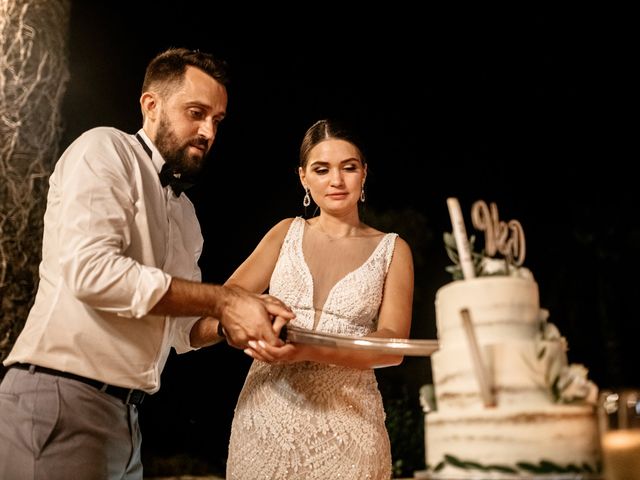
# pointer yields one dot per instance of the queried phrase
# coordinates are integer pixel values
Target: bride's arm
(255, 272)
(394, 321)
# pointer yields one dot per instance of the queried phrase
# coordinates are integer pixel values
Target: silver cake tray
(397, 346)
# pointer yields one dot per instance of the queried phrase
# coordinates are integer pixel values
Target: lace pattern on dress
(308, 420)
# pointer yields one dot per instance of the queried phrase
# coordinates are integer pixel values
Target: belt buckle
(134, 397)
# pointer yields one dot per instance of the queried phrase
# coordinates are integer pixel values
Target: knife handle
(283, 333)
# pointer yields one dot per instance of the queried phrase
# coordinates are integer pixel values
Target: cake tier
(501, 308)
(553, 440)
(519, 373)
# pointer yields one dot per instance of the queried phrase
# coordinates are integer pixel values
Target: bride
(311, 412)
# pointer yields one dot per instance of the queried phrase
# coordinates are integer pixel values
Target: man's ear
(149, 105)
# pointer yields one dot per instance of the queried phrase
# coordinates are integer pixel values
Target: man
(120, 284)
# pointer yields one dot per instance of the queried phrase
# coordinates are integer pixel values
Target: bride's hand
(278, 323)
(283, 353)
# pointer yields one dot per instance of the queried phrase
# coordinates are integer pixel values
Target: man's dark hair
(166, 70)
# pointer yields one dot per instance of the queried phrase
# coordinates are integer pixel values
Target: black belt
(129, 396)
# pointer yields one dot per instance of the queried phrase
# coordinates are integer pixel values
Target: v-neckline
(307, 270)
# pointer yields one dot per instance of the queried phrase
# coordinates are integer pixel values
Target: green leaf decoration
(544, 467)
(573, 468)
(475, 466)
(550, 467)
(455, 271)
(502, 468)
(529, 467)
(452, 252)
(555, 390)
(454, 461)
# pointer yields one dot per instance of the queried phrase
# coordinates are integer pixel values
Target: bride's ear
(302, 176)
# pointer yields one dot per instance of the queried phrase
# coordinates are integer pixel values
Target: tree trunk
(33, 76)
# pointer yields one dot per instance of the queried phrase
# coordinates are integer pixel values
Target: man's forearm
(245, 315)
(185, 298)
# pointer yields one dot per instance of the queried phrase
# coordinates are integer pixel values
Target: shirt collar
(151, 150)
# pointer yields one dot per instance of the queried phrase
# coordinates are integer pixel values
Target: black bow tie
(178, 182)
(168, 176)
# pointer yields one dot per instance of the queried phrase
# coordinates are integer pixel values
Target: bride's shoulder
(369, 231)
(280, 229)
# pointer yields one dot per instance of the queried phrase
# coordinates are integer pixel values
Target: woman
(311, 412)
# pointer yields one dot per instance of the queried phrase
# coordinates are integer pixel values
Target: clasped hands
(280, 352)
(254, 325)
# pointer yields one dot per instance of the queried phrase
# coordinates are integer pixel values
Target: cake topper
(500, 237)
(506, 238)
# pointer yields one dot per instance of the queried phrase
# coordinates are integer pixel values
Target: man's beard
(176, 154)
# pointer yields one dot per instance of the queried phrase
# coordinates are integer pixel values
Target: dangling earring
(362, 194)
(306, 201)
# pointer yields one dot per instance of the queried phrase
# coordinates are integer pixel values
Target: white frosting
(501, 308)
(524, 357)
(561, 434)
(518, 373)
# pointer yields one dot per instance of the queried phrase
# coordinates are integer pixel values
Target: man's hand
(248, 317)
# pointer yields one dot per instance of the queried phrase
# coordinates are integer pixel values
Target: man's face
(188, 121)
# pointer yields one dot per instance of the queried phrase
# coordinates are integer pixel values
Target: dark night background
(529, 109)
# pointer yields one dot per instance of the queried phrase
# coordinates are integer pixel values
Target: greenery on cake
(505, 239)
(483, 264)
(452, 252)
(542, 467)
(568, 382)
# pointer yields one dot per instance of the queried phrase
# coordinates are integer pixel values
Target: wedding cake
(507, 404)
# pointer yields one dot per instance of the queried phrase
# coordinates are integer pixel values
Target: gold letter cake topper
(507, 238)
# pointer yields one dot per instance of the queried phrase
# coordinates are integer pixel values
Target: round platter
(400, 346)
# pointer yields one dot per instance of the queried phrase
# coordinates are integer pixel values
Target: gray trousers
(56, 428)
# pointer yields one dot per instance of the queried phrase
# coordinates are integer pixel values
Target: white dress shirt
(113, 239)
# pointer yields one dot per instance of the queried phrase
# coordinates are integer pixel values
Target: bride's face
(334, 174)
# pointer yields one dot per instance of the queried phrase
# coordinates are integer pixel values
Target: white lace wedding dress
(308, 420)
